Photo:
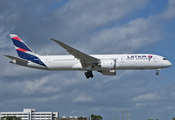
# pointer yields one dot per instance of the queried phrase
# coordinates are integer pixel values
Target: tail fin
(22, 49)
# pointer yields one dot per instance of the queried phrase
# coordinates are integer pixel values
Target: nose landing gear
(157, 73)
(89, 74)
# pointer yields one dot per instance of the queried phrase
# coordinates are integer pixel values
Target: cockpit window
(164, 59)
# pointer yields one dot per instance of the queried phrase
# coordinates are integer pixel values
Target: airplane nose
(170, 64)
(166, 63)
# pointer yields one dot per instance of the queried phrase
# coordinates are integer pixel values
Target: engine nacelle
(110, 72)
(108, 64)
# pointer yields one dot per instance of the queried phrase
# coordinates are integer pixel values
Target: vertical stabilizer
(22, 49)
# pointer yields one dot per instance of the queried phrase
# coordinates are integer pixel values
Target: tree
(92, 116)
(12, 118)
(96, 117)
(82, 118)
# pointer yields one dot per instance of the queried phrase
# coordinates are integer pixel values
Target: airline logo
(140, 57)
(149, 57)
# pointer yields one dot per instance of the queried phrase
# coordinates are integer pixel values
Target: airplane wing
(87, 61)
(14, 58)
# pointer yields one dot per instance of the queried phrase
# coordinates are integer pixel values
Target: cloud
(39, 85)
(169, 13)
(129, 38)
(80, 19)
(83, 99)
(147, 96)
(88, 12)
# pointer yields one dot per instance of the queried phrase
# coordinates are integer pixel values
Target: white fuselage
(122, 62)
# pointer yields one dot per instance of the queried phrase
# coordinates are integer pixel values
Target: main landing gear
(89, 74)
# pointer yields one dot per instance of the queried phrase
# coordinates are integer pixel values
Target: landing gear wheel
(157, 73)
(85, 73)
(89, 74)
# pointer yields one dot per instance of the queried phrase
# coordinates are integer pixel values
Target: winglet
(57, 41)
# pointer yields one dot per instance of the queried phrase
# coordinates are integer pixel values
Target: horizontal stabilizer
(15, 58)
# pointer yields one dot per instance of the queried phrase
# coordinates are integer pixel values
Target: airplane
(107, 64)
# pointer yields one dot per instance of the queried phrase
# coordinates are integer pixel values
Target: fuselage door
(155, 58)
(122, 59)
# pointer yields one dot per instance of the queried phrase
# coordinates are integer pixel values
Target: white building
(32, 114)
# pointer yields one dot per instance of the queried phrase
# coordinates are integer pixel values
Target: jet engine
(108, 64)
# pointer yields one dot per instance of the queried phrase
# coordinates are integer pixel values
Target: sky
(94, 27)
